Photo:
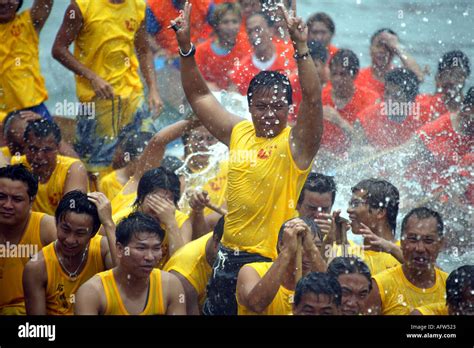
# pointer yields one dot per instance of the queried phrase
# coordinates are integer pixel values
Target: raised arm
(210, 112)
(40, 12)
(145, 57)
(34, 286)
(306, 134)
(67, 34)
(77, 178)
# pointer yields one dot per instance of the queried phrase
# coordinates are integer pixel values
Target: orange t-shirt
(383, 133)
(246, 70)
(365, 79)
(332, 50)
(165, 12)
(216, 68)
(433, 103)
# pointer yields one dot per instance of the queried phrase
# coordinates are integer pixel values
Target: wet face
(323, 71)
(228, 27)
(8, 10)
(258, 31)
(200, 140)
(141, 254)
(451, 82)
(74, 233)
(250, 7)
(421, 243)
(320, 32)
(158, 193)
(359, 212)
(315, 203)
(41, 153)
(15, 204)
(394, 93)
(355, 292)
(315, 304)
(381, 55)
(466, 306)
(341, 78)
(269, 109)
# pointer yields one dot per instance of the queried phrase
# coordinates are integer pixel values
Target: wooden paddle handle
(217, 209)
(299, 259)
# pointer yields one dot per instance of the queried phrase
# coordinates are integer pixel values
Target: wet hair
(458, 281)
(135, 144)
(319, 284)
(221, 10)
(347, 59)
(323, 18)
(76, 202)
(406, 80)
(7, 122)
(318, 51)
(135, 223)
(349, 265)
(18, 172)
(158, 178)
(42, 129)
(380, 194)
(423, 213)
(262, 14)
(380, 31)
(454, 59)
(320, 183)
(219, 229)
(171, 163)
(468, 101)
(311, 224)
(268, 80)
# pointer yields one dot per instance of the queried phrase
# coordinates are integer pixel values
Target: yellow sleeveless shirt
(61, 289)
(439, 308)
(21, 82)
(263, 187)
(281, 304)
(190, 261)
(50, 193)
(110, 186)
(12, 301)
(400, 297)
(106, 45)
(115, 305)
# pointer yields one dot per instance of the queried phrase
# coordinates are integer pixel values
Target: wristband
(301, 56)
(191, 52)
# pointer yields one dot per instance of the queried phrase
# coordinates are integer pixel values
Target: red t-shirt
(434, 103)
(332, 50)
(365, 79)
(216, 68)
(245, 71)
(383, 133)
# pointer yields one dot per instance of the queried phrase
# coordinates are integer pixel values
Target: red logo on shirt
(131, 24)
(16, 30)
(266, 153)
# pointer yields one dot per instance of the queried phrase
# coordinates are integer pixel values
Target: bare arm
(175, 297)
(90, 298)
(306, 134)
(34, 286)
(76, 178)
(67, 34)
(192, 303)
(40, 12)
(48, 230)
(374, 302)
(210, 112)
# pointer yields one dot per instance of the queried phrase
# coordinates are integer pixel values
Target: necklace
(72, 275)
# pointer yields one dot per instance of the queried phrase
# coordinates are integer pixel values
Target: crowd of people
(99, 227)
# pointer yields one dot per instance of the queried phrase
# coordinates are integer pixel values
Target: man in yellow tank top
(267, 288)
(23, 234)
(134, 286)
(57, 174)
(22, 86)
(192, 265)
(356, 283)
(417, 282)
(459, 295)
(373, 211)
(110, 44)
(317, 294)
(52, 279)
(268, 163)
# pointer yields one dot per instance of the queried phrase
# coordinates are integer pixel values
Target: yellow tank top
(105, 45)
(6, 152)
(61, 289)
(190, 261)
(263, 187)
(12, 301)
(110, 186)
(50, 193)
(400, 297)
(123, 201)
(439, 308)
(21, 82)
(281, 304)
(114, 300)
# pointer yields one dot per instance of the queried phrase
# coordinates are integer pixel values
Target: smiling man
(417, 282)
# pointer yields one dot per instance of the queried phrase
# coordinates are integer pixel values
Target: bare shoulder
(36, 267)
(48, 233)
